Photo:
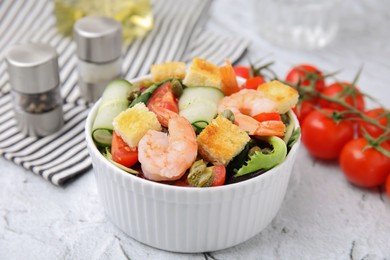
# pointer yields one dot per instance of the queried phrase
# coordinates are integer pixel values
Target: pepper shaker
(35, 88)
(99, 51)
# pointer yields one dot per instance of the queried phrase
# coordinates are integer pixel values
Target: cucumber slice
(200, 113)
(193, 95)
(114, 100)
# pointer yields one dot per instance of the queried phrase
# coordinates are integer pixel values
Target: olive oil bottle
(135, 15)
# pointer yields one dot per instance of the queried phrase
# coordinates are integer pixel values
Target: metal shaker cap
(33, 68)
(98, 39)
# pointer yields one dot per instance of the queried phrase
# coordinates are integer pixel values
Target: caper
(228, 114)
(267, 150)
(176, 88)
(200, 175)
(254, 150)
(133, 95)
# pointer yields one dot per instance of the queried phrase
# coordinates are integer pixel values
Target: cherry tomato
(253, 83)
(323, 137)
(388, 185)
(379, 115)
(122, 153)
(242, 71)
(305, 108)
(267, 116)
(364, 167)
(306, 74)
(219, 172)
(346, 92)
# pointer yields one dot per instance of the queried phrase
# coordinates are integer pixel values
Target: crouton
(133, 123)
(284, 96)
(168, 70)
(203, 73)
(221, 141)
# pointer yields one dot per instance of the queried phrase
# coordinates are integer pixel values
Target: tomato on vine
(363, 164)
(254, 76)
(345, 92)
(303, 109)
(253, 83)
(242, 71)
(324, 133)
(306, 75)
(380, 116)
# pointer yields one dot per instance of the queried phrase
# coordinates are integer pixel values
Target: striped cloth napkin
(59, 157)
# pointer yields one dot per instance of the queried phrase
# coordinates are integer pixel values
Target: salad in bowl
(187, 160)
(195, 128)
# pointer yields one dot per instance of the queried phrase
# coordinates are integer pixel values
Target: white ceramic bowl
(184, 219)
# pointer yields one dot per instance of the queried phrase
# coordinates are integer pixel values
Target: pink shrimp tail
(163, 114)
(254, 127)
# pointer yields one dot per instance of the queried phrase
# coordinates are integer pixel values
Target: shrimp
(254, 127)
(228, 78)
(163, 114)
(247, 103)
(167, 157)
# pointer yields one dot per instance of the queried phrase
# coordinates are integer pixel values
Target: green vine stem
(358, 115)
(350, 108)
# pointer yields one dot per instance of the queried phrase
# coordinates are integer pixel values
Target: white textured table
(322, 216)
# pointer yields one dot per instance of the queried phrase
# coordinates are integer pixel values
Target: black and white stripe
(63, 155)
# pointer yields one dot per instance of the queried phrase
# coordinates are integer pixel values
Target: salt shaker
(35, 88)
(99, 51)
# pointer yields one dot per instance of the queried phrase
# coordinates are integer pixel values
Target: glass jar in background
(135, 15)
(297, 24)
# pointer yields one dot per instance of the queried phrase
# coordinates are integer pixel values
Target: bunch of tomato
(335, 123)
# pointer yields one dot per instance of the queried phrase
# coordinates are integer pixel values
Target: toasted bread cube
(284, 96)
(221, 141)
(133, 123)
(203, 73)
(168, 70)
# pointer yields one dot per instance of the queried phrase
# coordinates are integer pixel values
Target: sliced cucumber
(193, 95)
(114, 100)
(200, 113)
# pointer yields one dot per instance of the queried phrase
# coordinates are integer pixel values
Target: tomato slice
(182, 181)
(253, 83)
(267, 116)
(163, 97)
(122, 153)
(219, 172)
(242, 71)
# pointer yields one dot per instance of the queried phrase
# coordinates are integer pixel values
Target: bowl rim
(117, 171)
